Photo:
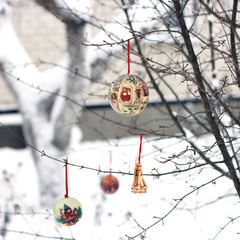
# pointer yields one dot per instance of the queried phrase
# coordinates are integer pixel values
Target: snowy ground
(108, 217)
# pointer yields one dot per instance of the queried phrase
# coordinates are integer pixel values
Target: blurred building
(44, 38)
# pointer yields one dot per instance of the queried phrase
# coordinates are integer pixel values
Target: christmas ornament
(128, 95)
(109, 183)
(67, 211)
(139, 184)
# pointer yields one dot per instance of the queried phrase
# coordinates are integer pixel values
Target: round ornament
(67, 211)
(128, 95)
(109, 184)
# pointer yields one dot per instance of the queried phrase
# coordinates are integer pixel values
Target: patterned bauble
(128, 95)
(109, 184)
(67, 211)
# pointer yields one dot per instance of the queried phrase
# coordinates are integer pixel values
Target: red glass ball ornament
(109, 184)
(128, 95)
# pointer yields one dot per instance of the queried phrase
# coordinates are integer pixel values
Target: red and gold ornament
(109, 183)
(129, 94)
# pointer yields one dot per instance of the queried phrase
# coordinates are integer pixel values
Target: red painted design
(125, 94)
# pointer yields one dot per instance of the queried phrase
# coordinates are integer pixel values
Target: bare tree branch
(215, 129)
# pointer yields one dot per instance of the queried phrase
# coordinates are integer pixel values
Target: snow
(17, 173)
(114, 216)
(19, 67)
(80, 9)
(11, 119)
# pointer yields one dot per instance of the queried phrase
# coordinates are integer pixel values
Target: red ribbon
(128, 56)
(110, 152)
(66, 180)
(140, 148)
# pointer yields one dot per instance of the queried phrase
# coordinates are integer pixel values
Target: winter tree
(187, 51)
(45, 109)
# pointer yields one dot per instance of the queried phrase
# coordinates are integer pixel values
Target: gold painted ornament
(128, 95)
(139, 184)
(67, 211)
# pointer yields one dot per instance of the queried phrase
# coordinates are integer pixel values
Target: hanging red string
(110, 152)
(66, 180)
(140, 148)
(128, 56)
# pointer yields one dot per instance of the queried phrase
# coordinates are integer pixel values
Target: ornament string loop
(140, 148)
(110, 152)
(66, 180)
(128, 56)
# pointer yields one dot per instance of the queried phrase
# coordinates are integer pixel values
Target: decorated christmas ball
(109, 184)
(128, 95)
(67, 211)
